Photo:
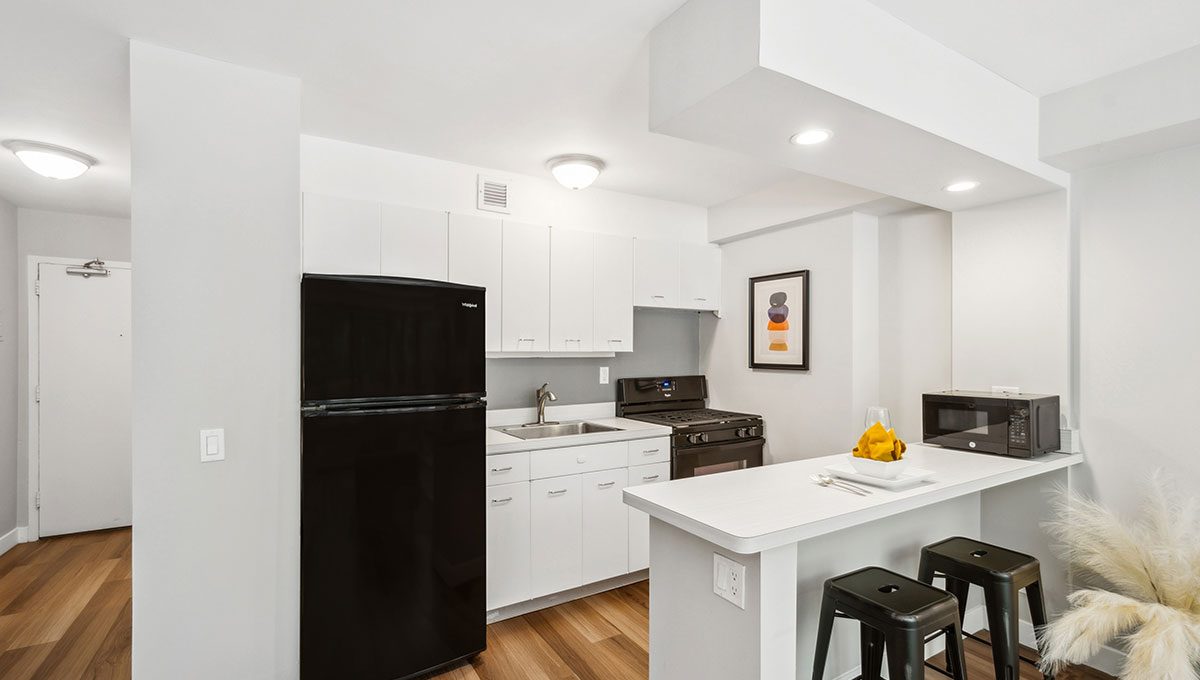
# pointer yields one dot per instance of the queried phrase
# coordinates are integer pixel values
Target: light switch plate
(604, 375)
(212, 445)
(729, 580)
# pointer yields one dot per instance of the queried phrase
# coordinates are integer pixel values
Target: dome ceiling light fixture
(50, 160)
(575, 170)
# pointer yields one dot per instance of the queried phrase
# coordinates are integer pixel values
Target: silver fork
(841, 482)
(821, 480)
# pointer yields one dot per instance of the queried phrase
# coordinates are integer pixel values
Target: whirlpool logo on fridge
(469, 305)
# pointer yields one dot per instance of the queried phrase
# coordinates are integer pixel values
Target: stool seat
(980, 562)
(896, 614)
(877, 594)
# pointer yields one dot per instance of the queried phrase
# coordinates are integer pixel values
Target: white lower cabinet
(507, 544)
(605, 525)
(639, 522)
(555, 540)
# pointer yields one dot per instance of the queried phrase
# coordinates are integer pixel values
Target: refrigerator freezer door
(393, 535)
(380, 338)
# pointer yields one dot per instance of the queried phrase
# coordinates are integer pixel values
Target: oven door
(967, 423)
(707, 460)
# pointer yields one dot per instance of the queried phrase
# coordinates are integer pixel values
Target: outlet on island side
(604, 375)
(729, 579)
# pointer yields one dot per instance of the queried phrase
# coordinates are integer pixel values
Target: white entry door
(83, 400)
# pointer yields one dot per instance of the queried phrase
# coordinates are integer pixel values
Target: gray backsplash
(666, 342)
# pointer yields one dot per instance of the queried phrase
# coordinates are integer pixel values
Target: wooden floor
(65, 608)
(65, 614)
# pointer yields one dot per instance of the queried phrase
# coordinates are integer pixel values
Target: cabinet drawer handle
(501, 501)
(605, 485)
(650, 478)
(526, 339)
(700, 299)
(659, 297)
(649, 452)
(615, 340)
(503, 469)
(557, 492)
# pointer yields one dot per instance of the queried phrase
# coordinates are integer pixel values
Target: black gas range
(703, 440)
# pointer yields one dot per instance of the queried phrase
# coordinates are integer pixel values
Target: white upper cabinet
(525, 310)
(571, 299)
(699, 276)
(341, 235)
(475, 245)
(413, 242)
(655, 273)
(613, 286)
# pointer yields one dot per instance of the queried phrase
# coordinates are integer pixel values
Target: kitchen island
(791, 535)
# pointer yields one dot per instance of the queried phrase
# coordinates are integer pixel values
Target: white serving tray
(906, 479)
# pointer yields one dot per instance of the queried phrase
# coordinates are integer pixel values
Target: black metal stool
(1002, 573)
(896, 614)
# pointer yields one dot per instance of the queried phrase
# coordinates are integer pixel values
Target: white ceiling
(497, 84)
(1044, 46)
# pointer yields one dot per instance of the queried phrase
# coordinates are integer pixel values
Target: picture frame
(778, 321)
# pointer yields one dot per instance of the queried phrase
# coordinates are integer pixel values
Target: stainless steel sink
(555, 429)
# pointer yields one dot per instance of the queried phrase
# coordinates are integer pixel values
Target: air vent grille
(493, 195)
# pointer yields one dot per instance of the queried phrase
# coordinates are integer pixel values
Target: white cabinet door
(639, 522)
(613, 284)
(571, 301)
(507, 544)
(525, 311)
(605, 525)
(475, 260)
(413, 242)
(341, 235)
(655, 273)
(556, 547)
(699, 276)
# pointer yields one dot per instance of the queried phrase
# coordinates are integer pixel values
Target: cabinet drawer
(646, 451)
(649, 474)
(505, 468)
(577, 459)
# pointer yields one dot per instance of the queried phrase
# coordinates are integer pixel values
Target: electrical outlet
(604, 375)
(729, 580)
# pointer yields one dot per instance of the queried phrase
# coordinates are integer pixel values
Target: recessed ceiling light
(964, 185)
(50, 160)
(810, 137)
(575, 170)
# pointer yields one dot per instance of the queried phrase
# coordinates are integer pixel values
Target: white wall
(914, 313)
(53, 234)
(216, 239)
(865, 314)
(349, 170)
(1139, 322)
(8, 368)
(1012, 296)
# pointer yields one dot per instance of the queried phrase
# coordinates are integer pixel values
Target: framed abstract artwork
(779, 321)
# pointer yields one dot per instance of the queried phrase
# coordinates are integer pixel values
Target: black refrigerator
(392, 519)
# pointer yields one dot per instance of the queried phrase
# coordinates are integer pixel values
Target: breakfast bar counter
(791, 534)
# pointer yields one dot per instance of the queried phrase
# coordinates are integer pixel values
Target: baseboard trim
(522, 608)
(11, 539)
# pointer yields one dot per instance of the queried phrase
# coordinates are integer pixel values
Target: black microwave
(1021, 425)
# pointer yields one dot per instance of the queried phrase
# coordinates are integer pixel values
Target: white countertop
(627, 430)
(752, 510)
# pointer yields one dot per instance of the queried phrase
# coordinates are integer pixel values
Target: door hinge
(37, 394)
(37, 500)
(37, 286)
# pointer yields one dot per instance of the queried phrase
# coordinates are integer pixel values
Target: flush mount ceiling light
(810, 137)
(575, 170)
(50, 160)
(964, 185)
